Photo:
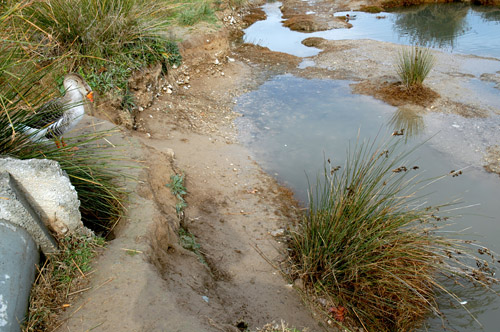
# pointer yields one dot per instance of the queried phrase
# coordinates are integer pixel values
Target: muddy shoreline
(235, 211)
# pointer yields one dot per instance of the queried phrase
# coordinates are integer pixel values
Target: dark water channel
(291, 124)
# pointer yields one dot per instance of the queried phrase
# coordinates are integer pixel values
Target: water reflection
(453, 27)
(433, 25)
(488, 13)
(407, 118)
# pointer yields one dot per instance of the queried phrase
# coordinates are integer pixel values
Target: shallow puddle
(452, 27)
(293, 124)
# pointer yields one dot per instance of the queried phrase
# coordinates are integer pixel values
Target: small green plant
(368, 244)
(178, 189)
(75, 257)
(188, 242)
(413, 65)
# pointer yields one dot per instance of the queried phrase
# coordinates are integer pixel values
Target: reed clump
(366, 243)
(103, 40)
(413, 65)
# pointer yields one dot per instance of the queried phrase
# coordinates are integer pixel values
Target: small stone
(278, 232)
(140, 109)
(322, 301)
(298, 283)
(170, 153)
(230, 59)
(216, 61)
(169, 91)
(148, 135)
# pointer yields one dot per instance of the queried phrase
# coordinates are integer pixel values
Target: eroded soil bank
(145, 280)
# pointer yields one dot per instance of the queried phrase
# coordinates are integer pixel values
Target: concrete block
(48, 190)
(15, 210)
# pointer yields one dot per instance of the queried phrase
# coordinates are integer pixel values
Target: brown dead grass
(60, 278)
(255, 14)
(492, 159)
(264, 56)
(396, 94)
(314, 42)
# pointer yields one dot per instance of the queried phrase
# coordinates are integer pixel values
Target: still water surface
(292, 124)
(451, 27)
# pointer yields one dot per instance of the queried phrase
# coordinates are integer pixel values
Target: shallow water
(292, 124)
(451, 27)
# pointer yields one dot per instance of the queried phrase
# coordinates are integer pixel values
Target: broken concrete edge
(15, 210)
(48, 190)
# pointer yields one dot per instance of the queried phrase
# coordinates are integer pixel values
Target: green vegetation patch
(197, 12)
(105, 39)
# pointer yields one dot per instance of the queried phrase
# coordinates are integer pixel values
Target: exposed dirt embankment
(146, 280)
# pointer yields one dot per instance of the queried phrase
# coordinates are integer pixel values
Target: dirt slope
(144, 280)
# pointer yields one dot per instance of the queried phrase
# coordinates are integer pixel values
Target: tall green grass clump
(413, 65)
(367, 243)
(108, 38)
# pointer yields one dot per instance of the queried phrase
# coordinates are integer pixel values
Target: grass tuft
(60, 277)
(108, 38)
(367, 244)
(413, 65)
(193, 14)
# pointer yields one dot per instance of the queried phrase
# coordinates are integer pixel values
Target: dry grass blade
(62, 275)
